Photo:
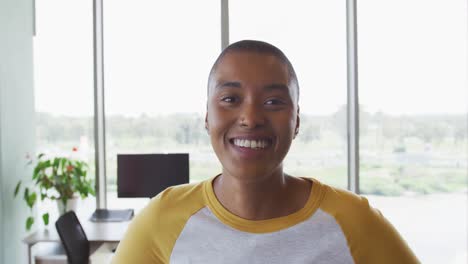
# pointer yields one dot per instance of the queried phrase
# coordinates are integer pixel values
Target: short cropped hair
(256, 47)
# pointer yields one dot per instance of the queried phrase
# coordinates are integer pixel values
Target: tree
(340, 121)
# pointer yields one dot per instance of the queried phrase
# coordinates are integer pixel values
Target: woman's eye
(273, 102)
(228, 99)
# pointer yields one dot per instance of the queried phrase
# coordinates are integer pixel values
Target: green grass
(415, 179)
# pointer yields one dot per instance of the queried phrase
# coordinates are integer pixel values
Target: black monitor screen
(146, 175)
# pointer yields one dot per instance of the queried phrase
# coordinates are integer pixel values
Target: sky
(412, 54)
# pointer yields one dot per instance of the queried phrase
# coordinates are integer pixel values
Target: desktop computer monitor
(146, 175)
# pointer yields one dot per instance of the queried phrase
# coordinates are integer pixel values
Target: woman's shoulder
(168, 211)
(337, 200)
(154, 230)
(370, 236)
(184, 195)
(347, 208)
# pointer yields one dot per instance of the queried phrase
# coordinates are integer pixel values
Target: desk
(97, 233)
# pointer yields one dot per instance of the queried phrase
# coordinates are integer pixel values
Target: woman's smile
(251, 146)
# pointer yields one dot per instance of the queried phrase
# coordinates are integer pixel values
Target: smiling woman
(253, 211)
(251, 101)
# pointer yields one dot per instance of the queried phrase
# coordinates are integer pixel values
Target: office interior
(404, 85)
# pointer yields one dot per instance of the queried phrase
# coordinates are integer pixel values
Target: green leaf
(40, 155)
(46, 164)
(35, 175)
(56, 162)
(31, 199)
(37, 169)
(40, 167)
(91, 190)
(43, 196)
(64, 161)
(26, 194)
(29, 222)
(45, 218)
(17, 188)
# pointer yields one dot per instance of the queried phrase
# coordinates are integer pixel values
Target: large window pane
(63, 80)
(157, 58)
(313, 36)
(413, 94)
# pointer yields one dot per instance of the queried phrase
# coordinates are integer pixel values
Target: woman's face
(252, 114)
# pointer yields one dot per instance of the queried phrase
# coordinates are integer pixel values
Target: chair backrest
(73, 238)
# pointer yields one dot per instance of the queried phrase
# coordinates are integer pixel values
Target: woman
(253, 212)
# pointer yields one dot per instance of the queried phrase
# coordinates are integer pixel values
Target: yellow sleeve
(152, 234)
(371, 238)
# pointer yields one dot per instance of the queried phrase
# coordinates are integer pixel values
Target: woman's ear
(206, 124)
(298, 123)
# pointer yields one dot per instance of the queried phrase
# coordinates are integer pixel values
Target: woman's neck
(268, 197)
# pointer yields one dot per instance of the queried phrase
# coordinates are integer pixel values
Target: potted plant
(59, 179)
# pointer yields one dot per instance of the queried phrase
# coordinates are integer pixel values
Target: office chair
(73, 238)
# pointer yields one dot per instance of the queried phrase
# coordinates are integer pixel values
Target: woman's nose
(251, 116)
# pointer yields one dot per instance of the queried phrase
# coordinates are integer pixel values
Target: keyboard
(106, 215)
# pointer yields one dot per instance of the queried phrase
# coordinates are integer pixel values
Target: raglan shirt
(187, 224)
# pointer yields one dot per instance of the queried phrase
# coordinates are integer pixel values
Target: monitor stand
(106, 215)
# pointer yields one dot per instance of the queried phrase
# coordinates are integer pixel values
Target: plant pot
(72, 205)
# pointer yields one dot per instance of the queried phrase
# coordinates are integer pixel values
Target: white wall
(17, 135)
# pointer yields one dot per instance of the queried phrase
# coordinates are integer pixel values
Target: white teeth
(251, 143)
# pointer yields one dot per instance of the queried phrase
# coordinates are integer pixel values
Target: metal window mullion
(224, 24)
(34, 18)
(352, 97)
(99, 121)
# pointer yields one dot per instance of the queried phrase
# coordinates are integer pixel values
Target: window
(63, 80)
(157, 59)
(413, 135)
